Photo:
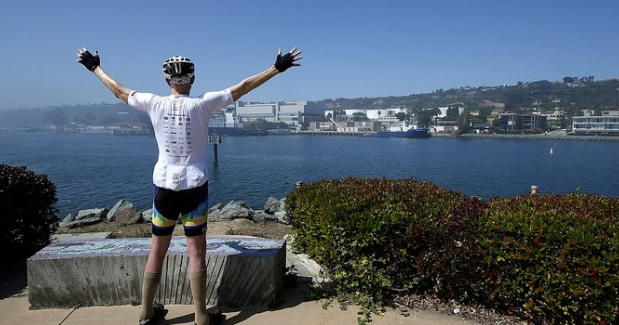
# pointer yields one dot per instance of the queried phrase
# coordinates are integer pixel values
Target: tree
(262, 124)
(29, 201)
(56, 116)
(401, 116)
(484, 113)
(464, 122)
(452, 114)
(359, 117)
(424, 117)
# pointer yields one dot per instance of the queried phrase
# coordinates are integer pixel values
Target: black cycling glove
(282, 63)
(88, 60)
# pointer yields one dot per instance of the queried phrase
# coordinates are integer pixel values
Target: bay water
(93, 171)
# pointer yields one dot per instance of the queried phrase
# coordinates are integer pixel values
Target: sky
(351, 49)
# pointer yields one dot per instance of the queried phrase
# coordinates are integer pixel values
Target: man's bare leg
(196, 249)
(152, 274)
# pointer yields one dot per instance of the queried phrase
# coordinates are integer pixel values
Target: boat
(404, 131)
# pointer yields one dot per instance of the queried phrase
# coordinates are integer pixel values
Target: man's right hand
(88, 60)
(282, 63)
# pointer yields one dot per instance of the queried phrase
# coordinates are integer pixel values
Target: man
(180, 174)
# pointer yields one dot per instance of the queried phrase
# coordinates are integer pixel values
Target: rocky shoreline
(125, 213)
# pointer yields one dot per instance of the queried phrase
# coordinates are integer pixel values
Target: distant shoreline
(542, 136)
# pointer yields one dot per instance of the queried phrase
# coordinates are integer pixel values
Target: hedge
(27, 210)
(548, 259)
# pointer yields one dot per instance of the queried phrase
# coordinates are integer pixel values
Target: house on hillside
(523, 122)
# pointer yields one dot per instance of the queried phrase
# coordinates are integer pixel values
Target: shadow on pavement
(13, 279)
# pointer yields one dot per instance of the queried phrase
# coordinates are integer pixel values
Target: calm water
(96, 171)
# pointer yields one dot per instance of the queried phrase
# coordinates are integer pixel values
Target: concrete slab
(242, 271)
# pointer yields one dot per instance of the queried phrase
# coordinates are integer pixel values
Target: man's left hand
(89, 60)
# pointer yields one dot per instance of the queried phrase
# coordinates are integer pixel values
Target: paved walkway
(294, 310)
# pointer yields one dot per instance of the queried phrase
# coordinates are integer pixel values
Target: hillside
(572, 95)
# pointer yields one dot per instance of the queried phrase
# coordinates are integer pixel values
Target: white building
(607, 124)
(252, 112)
(290, 113)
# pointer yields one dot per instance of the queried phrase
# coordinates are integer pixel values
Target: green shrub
(379, 236)
(27, 210)
(553, 258)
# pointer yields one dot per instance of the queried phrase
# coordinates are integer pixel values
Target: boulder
(282, 217)
(262, 216)
(84, 218)
(84, 222)
(230, 211)
(119, 206)
(67, 220)
(282, 205)
(90, 213)
(147, 215)
(128, 216)
(272, 205)
(124, 213)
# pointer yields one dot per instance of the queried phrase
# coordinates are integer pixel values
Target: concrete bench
(242, 271)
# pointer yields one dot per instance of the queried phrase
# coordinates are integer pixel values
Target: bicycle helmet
(178, 67)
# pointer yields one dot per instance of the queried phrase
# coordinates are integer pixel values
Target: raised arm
(93, 63)
(282, 63)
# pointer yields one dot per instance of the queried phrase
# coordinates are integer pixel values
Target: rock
(124, 213)
(128, 216)
(147, 215)
(85, 222)
(119, 206)
(282, 205)
(230, 211)
(84, 218)
(67, 220)
(90, 213)
(262, 216)
(282, 217)
(272, 205)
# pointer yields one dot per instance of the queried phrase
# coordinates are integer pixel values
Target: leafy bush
(554, 258)
(27, 210)
(380, 236)
(549, 259)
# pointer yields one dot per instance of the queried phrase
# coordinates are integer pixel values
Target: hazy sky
(351, 48)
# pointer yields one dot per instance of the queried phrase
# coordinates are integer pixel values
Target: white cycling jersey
(181, 129)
